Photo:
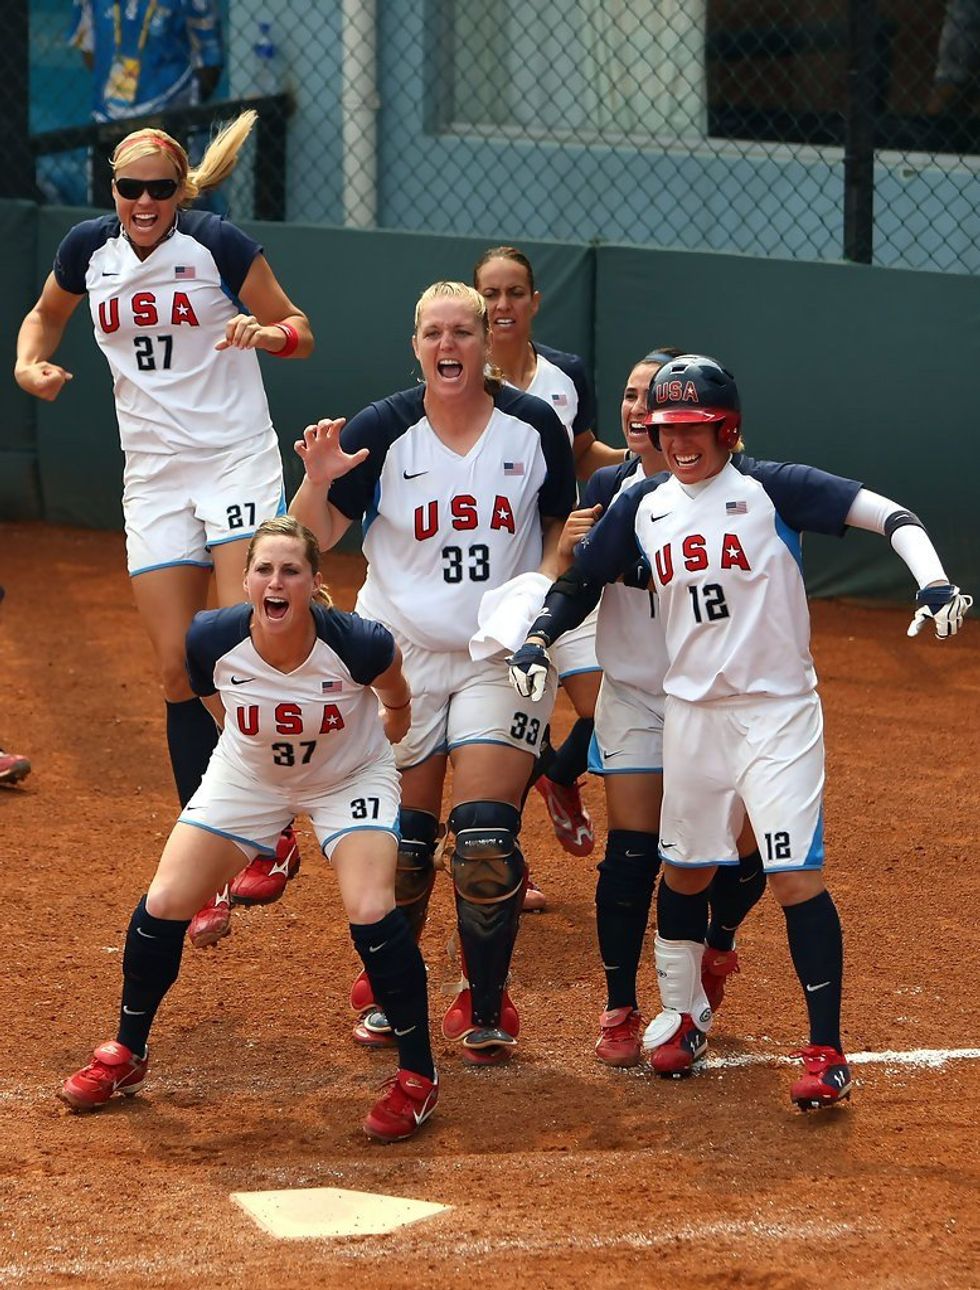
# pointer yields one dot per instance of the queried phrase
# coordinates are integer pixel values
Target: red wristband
(292, 340)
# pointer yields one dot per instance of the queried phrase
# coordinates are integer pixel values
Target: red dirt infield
(560, 1172)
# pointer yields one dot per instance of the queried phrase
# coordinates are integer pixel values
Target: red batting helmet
(694, 389)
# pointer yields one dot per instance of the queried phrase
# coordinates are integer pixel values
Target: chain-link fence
(816, 129)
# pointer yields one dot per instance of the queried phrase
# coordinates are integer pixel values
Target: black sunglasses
(159, 189)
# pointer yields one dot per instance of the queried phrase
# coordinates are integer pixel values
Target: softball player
(168, 292)
(505, 278)
(461, 485)
(627, 751)
(295, 685)
(743, 730)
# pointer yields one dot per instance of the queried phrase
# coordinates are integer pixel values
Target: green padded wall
(858, 370)
(20, 496)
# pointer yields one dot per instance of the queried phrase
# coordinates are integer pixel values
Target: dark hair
(504, 253)
(660, 355)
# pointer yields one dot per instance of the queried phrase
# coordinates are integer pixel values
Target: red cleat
(458, 1021)
(113, 1069)
(569, 817)
(619, 1037)
(407, 1100)
(716, 965)
(264, 880)
(13, 767)
(675, 1058)
(827, 1079)
(211, 923)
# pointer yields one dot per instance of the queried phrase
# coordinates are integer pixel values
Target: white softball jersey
(306, 730)
(441, 528)
(561, 381)
(630, 645)
(158, 320)
(726, 559)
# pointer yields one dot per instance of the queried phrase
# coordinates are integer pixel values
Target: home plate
(331, 1211)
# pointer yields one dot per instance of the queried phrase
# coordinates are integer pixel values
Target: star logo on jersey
(414, 474)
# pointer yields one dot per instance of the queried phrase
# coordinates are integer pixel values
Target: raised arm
(324, 460)
(40, 335)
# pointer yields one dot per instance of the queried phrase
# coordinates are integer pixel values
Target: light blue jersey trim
(814, 856)
(791, 539)
(441, 751)
(239, 537)
(232, 837)
(500, 743)
(595, 767)
(578, 671)
(172, 564)
(392, 829)
(697, 864)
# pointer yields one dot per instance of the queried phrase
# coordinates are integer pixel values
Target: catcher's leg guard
(488, 877)
(415, 875)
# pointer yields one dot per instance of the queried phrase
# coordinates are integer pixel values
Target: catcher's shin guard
(488, 877)
(415, 875)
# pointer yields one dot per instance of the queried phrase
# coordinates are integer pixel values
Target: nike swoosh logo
(132, 1012)
(668, 846)
(749, 878)
(414, 475)
(109, 275)
(617, 753)
(241, 680)
(146, 935)
(654, 518)
(400, 1033)
(811, 988)
(373, 949)
(633, 854)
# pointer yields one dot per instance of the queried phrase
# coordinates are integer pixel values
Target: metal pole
(859, 143)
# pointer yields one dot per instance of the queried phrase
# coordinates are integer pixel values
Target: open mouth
(275, 607)
(144, 221)
(687, 459)
(450, 369)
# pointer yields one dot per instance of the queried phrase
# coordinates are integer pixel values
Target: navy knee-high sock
(571, 759)
(397, 974)
(623, 896)
(732, 894)
(191, 737)
(817, 946)
(151, 963)
(681, 917)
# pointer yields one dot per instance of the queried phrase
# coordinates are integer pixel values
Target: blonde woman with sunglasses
(180, 300)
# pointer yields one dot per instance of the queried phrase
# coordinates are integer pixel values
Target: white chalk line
(929, 1058)
(439, 1245)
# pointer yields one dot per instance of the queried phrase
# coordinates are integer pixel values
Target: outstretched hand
(945, 606)
(323, 458)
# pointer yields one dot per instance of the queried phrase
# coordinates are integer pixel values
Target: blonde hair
(216, 165)
(493, 378)
(287, 526)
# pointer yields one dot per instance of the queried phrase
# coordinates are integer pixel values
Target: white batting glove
(528, 671)
(945, 606)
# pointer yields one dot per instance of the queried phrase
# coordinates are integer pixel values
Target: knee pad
(628, 872)
(487, 862)
(415, 872)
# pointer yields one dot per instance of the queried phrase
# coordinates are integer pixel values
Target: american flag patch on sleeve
(736, 508)
(331, 687)
(185, 271)
(513, 468)
(560, 400)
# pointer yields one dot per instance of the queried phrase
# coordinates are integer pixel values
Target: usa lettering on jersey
(144, 309)
(696, 558)
(464, 513)
(288, 719)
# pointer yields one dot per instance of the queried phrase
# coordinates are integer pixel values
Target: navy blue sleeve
(366, 647)
(375, 428)
(233, 250)
(210, 636)
(610, 549)
(574, 367)
(807, 499)
(77, 248)
(606, 482)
